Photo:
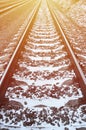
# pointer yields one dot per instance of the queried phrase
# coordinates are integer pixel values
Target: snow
(47, 50)
(78, 13)
(45, 44)
(43, 90)
(73, 23)
(12, 25)
(44, 68)
(47, 102)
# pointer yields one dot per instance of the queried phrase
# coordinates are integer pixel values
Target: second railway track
(5, 10)
(43, 76)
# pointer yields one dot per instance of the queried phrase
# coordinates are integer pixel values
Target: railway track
(13, 6)
(40, 72)
(18, 48)
(78, 70)
(17, 26)
(5, 4)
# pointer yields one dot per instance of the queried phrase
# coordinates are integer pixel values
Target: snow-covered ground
(73, 22)
(12, 25)
(78, 13)
(46, 107)
(76, 10)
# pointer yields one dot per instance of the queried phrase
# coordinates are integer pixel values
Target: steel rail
(78, 71)
(7, 4)
(10, 67)
(13, 6)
